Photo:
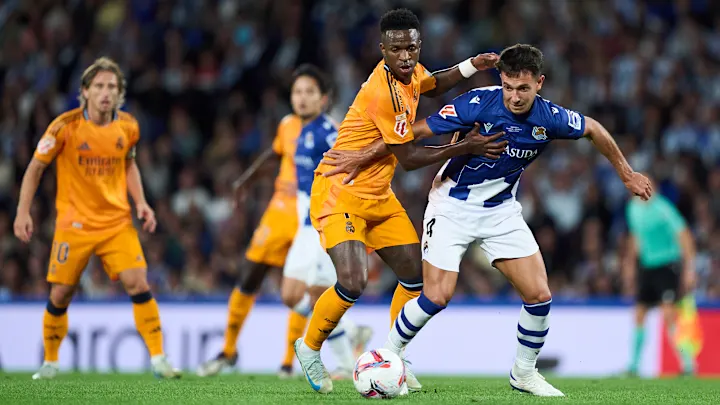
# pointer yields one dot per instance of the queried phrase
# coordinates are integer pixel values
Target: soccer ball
(380, 374)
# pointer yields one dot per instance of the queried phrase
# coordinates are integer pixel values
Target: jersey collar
(87, 116)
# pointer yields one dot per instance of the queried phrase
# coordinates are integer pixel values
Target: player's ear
(540, 82)
(382, 48)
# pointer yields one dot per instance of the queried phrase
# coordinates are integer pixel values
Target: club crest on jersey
(349, 228)
(415, 94)
(120, 145)
(539, 133)
(448, 111)
(46, 144)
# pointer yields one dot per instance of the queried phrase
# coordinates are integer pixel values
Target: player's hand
(485, 145)
(485, 61)
(23, 227)
(147, 215)
(639, 185)
(345, 161)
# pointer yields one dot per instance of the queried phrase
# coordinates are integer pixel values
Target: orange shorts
(340, 216)
(274, 235)
(118, 248)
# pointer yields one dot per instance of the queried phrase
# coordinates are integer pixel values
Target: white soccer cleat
(162, 368)
(218, 364)
(533, 383)
(315, 372)
(413, 385)
(360, 338)
(48, 371)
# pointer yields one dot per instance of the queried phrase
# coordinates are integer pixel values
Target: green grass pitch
(17, 389)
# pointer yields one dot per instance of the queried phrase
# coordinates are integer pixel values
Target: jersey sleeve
(675, 219)
(277, 145)
(427, 80)
(457, 116)
(134, 137)
(385, 113)
(51, 143)
(564, 123)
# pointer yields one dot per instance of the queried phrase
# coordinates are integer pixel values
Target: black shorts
(661, 284)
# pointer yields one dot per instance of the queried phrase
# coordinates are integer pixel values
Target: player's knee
(353, 279)
(290, 298)
(438, 295)
(252, 281)
(538, 295)
(61, 295)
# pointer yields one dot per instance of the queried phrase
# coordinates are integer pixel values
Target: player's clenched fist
(639, 185)
(23, 227)
(485, 145)
(147, 215)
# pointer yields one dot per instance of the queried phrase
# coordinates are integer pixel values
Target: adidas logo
(84, 146)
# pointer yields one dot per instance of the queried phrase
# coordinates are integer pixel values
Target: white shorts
(501, 232)
(307, 261)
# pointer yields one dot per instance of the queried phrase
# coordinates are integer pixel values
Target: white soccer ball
(380, 374)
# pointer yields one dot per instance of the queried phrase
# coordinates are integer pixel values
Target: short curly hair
(399, 19)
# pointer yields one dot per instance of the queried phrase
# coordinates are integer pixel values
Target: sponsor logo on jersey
(83, 146)
(521, 153)
(539, 133)
(448, 111)
(488, 126)
(120, 144)
(475, 100)
(513, 129)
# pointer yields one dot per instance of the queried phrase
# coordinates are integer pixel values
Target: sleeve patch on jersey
(46, 144)
(401, 128)
(132, 152)
(574, 120)
(448, 111)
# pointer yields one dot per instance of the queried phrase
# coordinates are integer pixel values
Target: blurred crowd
(208, 82)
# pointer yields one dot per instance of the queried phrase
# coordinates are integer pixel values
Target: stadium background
(208, 82)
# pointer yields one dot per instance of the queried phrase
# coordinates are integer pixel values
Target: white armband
(466, 68)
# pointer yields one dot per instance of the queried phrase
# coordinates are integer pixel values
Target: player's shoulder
(64, 120)
(290, 119)
(126, 117)
(482, 96)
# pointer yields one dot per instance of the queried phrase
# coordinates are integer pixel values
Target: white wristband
(466, 68)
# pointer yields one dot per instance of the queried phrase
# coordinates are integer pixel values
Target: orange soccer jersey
(93, 211)
(384, 108)
(273, 237)
(367, 210)
(91, 162)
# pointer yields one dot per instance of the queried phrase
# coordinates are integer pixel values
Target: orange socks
(330, 307)
(55, 328)
(404, 292)
(296, 327)
(239, 307)
(147, 321)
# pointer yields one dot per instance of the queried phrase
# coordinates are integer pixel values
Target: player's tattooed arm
(446, 79)
(635, 182)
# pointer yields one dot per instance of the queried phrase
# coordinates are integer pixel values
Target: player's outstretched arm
(413, 156)
(448, 78)
(637, 183)
(23, 226)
